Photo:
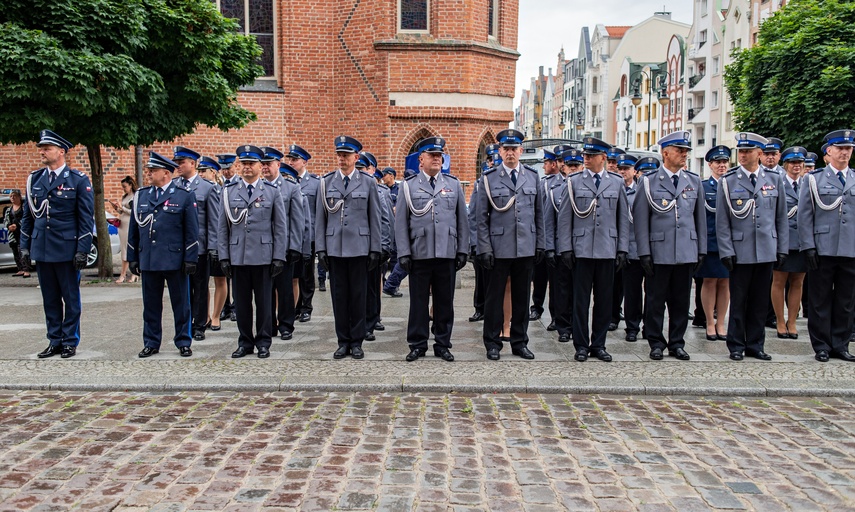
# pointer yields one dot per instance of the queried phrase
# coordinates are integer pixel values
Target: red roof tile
(617, 31)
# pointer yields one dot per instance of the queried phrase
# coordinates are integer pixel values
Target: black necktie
(52, 177)
(675, 179)
(753, 178)
(157, 193)
(841, 178)
(249, 189)
(186, 184)
(433, 182)
(597, 180)
(514, 176)
(796, 187)
(346, 182)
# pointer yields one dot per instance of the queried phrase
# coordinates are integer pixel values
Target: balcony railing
(693, 81)
(694, 112)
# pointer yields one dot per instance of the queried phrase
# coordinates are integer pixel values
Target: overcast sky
(547, 25)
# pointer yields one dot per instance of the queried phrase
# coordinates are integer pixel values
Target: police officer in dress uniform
(367, 163)
(253, 243)
(826, 221)
(769, 160)
(298, 158)
(510, 242)
(613, 156)
(226, 161)
(208, 211)
(669, 223)
(543, 271)
(282, 307)
(163, 247)
(633, 274)
(347, 239)
(593, 240)
(561, 287)
(389, 177)
(56, 232)
(752, 234)
(432, 234)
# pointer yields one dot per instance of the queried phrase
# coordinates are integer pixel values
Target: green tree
(120, 73)
(798, 82)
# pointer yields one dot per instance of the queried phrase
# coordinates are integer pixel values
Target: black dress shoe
(50, 351)
(379, 327)
(199, 336)
(632, 337)
(241, 352)
(794, 335)
(493, 354)
(185, 351)
(712, 337)
(393, 293)
(286, 335)
(415, 354)
(68, 351)
(551, 327)
(581, 355)
(720, 337)
(523, 352)
(564, 338)
(216, 327)
(370, 337)
(263, 353)
(763, 356)
(233, 316)
(656, 354)
(305, 317)
(477, 317)
(845, 355)
(224, 314)
(679, 353)
(534, 315)
(613, 326)
(443, 353)
(322, 286)
(148, 352)
(783, 335)
(602, 355)
(821, 356)
(736, 356)
(341, 352)
(357, 353)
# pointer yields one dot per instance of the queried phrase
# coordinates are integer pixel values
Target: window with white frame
(255, 18)
(715, 66)
(413, 15)
(715, 99)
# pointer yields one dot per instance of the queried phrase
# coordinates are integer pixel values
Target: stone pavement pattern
(309, 451)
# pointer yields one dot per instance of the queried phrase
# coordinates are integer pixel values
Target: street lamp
(627, 119)
(662, 94)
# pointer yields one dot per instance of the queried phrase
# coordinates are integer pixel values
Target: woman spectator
(220, 286)
(12, 218)
(794, 268)
(715, 291)
(123, 210)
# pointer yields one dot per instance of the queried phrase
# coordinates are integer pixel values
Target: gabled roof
(617, 31)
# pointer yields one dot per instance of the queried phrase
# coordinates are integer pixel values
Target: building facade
(388, 72)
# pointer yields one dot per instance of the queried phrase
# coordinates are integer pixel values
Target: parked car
(7, 259)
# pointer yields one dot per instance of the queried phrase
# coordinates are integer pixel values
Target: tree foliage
(798, 82)
(120, 73)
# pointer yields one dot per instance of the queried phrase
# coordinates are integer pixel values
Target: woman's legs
(779, 280)
(794, 299)
(220, 292)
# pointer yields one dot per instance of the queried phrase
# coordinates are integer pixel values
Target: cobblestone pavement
(308, 451)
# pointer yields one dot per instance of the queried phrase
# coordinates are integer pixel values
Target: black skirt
(796, 262)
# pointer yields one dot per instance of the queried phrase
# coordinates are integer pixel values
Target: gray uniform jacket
(387, 219)
(309, 185)
(631, 195)
(605, 231)
(764, 232)
(677, 236)
(292, 198)
(254, 230)
(307, 226)
(831, 233)
(347, 222)
(554, 187)
(472, 214)
(793, 202)
(207, 210)
(518, 231)
(443, 230)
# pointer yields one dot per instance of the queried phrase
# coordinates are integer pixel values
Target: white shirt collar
(508, 169)
(591, 173)
(254, 183)
(836, 170)
(353, 174)
(57, 170)
(669, 173)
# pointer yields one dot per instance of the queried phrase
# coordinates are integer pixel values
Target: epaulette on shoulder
(730, 172)
(38, 170)
(532, 169)
(732, 169)
(411, 176)
(616, 175)
(180, 190)
(209, 181)
(548, 177)
(329, 173)
(79, 173)
(692, 173)
(368, 175)
(817, 171)
(452, 177)
(311, 176)
(651, 173)
(382, 186)
(272, 184)
(773, 171)
(231, 183)
(144, 188)
(489, 171)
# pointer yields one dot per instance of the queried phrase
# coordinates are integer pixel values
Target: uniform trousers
(348, 287)
(538, 294)
(395, 277)
(617, 297)
(372, 303)
(431, 277)
(561, 295)
(253, 282)
(831, 303)
(597, 276)
(700, 317)
(199, 294)
(481, 276)
(283, 308)
(307, 285)
(520, 271)
(633, 297)
(60, 285)
(749, 294)
(179, 297)
(670, 285)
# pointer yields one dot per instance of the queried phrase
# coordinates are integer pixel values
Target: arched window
(413, 15)
(623, 85)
